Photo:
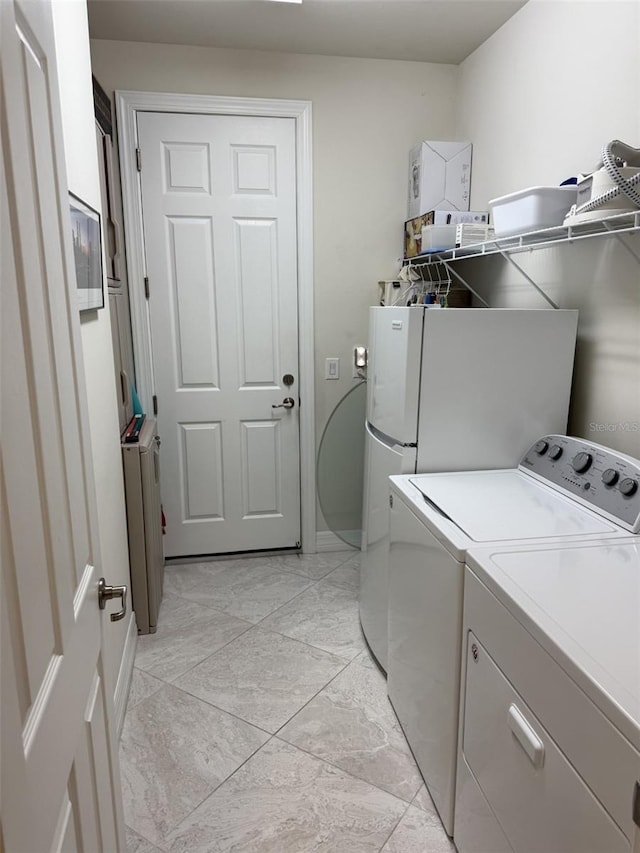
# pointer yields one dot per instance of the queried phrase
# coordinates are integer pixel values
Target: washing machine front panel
(449, 514)
(425, 609)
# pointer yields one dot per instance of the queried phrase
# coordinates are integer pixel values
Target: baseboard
(326, 540)
(121, 695)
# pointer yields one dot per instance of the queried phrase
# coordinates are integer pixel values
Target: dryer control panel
(598, 477)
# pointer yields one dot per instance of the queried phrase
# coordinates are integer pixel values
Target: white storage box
(456, 217)
(439, 177)
(468, 234)
(531, 209)
(438, 238)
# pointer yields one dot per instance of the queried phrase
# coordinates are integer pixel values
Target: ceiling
(421, 30)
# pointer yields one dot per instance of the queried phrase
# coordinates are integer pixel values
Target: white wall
(76, 96)
(366, 116)
(539, 99)
(543, 94)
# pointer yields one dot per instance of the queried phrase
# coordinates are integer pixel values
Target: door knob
(106, 593)
(287, 403)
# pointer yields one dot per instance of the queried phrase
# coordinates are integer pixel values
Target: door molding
(128, 104)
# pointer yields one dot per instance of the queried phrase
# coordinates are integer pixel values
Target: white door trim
(127, 105)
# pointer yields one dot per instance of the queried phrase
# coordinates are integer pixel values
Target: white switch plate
(332, 368)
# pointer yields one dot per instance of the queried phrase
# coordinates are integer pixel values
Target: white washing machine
(564, 490)
(549, 754)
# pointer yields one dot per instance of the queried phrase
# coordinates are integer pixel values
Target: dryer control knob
(628, 487)
(610, 477)
(581, 462)
(541, 447)
(556, 452)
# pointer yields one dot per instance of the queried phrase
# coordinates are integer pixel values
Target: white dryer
(564, 490)
(549, 753)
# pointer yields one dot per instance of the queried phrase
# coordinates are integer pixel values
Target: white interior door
(60, 782)
(219, 211)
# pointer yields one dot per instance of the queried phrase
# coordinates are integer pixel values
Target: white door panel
(60, 785)
(219, 209)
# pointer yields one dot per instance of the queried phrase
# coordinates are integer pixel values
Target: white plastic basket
(531, 209)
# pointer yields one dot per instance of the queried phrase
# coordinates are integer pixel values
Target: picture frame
(87, 254)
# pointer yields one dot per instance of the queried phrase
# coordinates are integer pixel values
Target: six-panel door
(219, 210)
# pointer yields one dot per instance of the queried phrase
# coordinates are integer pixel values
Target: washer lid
(583, 602)
(501, 505)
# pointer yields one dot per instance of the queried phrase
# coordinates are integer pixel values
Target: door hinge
(138, 159)
(155, 404)
(146, 286)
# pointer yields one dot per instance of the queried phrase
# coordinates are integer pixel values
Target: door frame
(128, 104)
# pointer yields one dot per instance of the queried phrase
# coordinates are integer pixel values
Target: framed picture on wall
(87, 254)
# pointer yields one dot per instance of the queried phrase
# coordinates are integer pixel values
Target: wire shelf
(626, 223)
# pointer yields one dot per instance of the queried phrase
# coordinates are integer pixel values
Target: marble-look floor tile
(419, 832)
(366, 658)
(423, 801)
(351, 724)
(284, 801)
(137, 844)
(347, 575)
(142, 685)
(249, 592)
(314, 566)
(179, 577)
(172, 652)
(262, 677)
(177, 612)
(175, 750)
(324, 616)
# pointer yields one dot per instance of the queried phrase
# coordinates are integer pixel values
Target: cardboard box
(470, 233)
(458, 217)
(413, 234)
(413, 227)
(439, 177)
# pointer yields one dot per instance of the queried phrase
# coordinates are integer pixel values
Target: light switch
(332, 368)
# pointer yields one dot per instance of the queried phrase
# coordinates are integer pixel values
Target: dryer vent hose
(614, 155)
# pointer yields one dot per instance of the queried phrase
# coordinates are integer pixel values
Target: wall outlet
(332, 368)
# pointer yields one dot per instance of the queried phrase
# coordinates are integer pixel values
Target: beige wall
(366, 116)
(539, 99)
(76, 96)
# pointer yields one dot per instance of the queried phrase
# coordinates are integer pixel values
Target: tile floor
(257, 720)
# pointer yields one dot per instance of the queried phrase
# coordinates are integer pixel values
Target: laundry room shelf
(620, 227)
(627, 223)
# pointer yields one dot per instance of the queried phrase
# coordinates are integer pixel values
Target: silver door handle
(106, 593)
(287, 403)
